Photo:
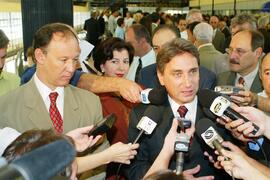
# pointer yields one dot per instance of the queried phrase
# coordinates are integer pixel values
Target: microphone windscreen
(46, 161)
(157, 96)
(202, 125)
(206, 97)
(153, 112)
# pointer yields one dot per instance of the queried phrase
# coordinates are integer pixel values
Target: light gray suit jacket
(23, 109)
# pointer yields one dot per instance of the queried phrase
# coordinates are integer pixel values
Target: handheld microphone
(181, 146)
(42, 163)
(205, 129)
(149, 121)
(220, 105)
(156, 96)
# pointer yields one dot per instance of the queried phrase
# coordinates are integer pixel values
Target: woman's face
(118, 65)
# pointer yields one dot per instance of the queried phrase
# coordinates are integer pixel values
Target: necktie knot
(53, 96)
(241, 81)
(182, 110)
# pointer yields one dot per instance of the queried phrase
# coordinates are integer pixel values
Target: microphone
(156, 96)
(149, 121)
(220, 106)
(206, 131)
(181, 146)
(41, 163)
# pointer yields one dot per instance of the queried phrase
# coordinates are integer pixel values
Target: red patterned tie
(55, 114)
(241, 81)
(182, 110)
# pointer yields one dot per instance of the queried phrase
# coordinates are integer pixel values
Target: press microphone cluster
(220, 106)
(181, 146)
(42, 163)
(156, 96)
(149, 121)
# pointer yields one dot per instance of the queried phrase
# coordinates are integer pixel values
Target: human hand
(244, 98)
(129, 90)
(211, 159)
(189, 174)
(169, 141)
(81, 138)
(121, 153)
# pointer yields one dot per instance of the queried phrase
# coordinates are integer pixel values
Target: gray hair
(192, 16)
(263, 21)
(203, 32)
(243, 19)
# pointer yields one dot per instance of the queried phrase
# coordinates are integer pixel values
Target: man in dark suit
(92, 27)
(148, 76)
(178, 71)
(219, 37)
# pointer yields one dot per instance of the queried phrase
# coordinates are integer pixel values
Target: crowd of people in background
(183, 53)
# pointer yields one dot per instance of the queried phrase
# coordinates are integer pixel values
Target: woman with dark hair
(112, 58)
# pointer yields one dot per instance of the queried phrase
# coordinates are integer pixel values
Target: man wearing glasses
(244, 52)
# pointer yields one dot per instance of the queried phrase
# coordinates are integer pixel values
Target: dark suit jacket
(219, 41)
(228, 78)
(93, 32)
(148, 77)
(150, 145)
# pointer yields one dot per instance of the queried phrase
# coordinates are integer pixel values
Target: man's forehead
(162, 37)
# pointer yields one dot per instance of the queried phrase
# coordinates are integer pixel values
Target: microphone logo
(219, 105)
(209, 133)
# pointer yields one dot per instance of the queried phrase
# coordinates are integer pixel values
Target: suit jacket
(150, 145)
(24, 109)
(219, 41)
(148, 77)
(213, 60)
(228, 78)
(93, 32)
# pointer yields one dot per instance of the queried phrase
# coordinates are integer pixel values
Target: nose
(70, 66)
(187, 80)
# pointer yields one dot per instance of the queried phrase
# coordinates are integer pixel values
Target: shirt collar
(249, 78)
(203, 45)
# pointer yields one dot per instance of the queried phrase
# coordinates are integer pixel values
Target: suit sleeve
(140, 164)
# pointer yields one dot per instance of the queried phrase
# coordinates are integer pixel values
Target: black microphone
(220, 106)
(149, 121)
(42, 163)
(156, 96)
(205, 129)
(181, 146)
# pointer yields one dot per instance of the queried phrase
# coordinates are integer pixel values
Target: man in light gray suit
(56, 50)
(209, 57)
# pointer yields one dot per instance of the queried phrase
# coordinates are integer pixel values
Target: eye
(126, 61)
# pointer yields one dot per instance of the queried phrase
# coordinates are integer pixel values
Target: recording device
(42, 163)
(103, 126)
(154, 96)
(220, 106)
(149, 121)
(228, 90)
(181, 146)
(184, 124)
(205, 128)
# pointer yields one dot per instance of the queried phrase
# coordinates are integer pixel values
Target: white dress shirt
(147, 59)
(192, 109)
(248, 78)
(45, 92)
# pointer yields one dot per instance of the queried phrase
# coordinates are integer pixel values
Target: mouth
(119, 75)
(188, 92)
(233, 62)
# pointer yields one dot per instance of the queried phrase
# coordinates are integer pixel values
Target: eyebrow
(266, 70)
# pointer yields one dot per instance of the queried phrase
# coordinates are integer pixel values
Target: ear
(102, 68)
(160, 77)
(259, 52)
(39, 56)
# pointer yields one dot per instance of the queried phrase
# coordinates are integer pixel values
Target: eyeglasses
(238, 51)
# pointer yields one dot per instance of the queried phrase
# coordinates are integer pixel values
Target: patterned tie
(182, 110)
(241, 81)
(138, 70)
(55, 114)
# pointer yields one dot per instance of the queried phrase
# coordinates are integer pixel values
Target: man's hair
(141, 32)
(44, 35)
(3, 40)
(173, 48)
(155, 17)
(191, 18)
(203, 32)
(192, 25)
(257, 39)
(165, 27)
(30, 140)
(105, 50)
(120, 21)
(241, 19)
(263, 21)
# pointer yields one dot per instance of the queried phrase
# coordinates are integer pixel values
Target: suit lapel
(35, 107)
(256, 84)
(71, 110)
(231, 78)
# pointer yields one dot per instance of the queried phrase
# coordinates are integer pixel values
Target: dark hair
(140, 32)
(105, 50)
(257, 39)
(164, 27)
(174, 48)
(31, 140)
(44, 35)
(146, 21)
(155, 17)
(3, 40)
(164, 175)
(192, 25)
(120, 21)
